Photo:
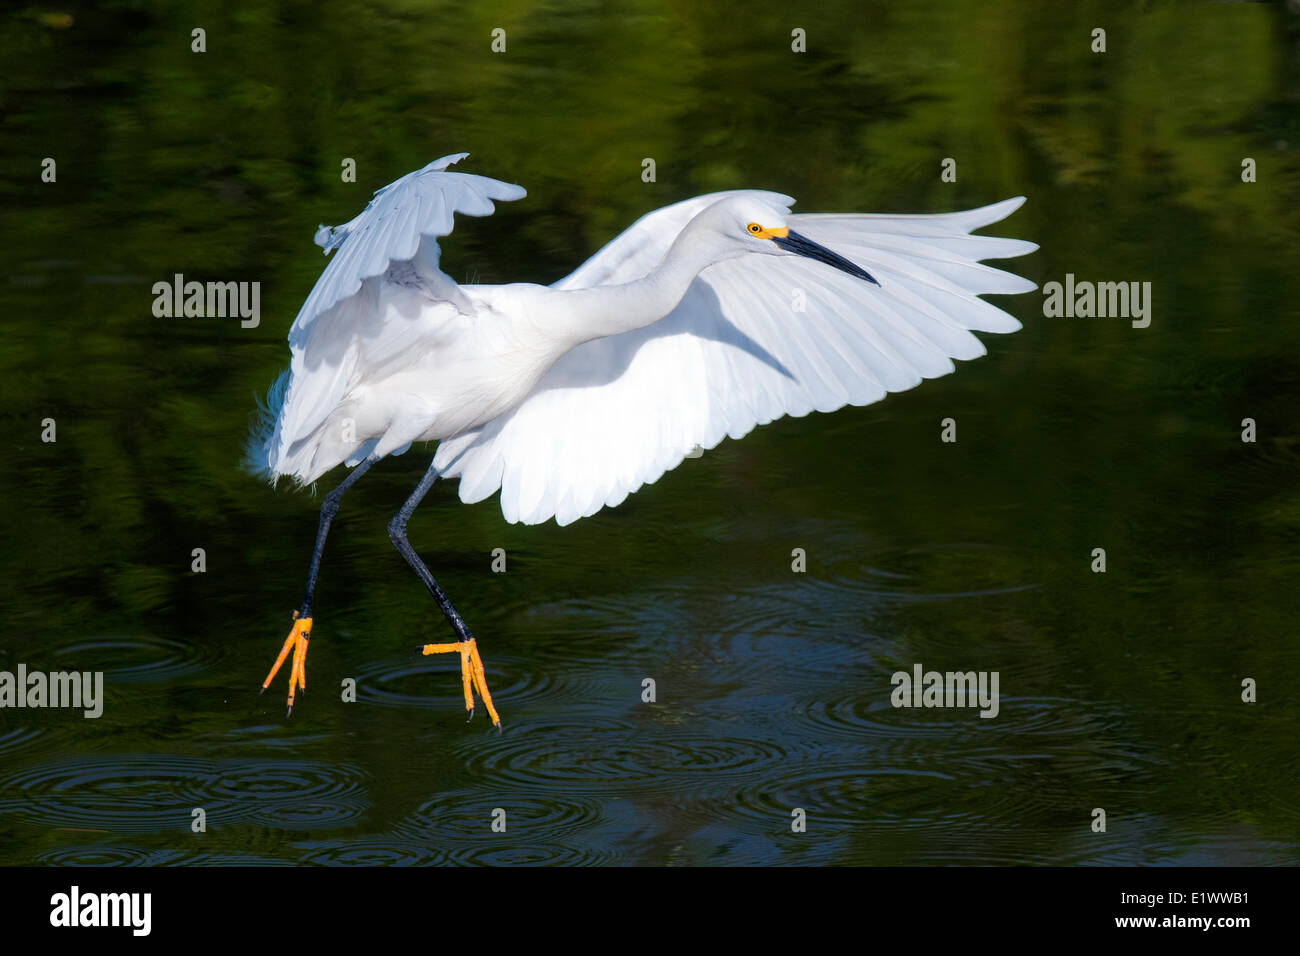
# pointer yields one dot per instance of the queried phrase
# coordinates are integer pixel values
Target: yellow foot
(472, 677)
(297, 640)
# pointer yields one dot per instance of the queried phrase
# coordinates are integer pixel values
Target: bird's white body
(466, 370)
(683, 330)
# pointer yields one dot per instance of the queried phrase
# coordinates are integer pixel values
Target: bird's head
(751, 224)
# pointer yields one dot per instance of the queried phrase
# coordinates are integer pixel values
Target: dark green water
(1119, 690)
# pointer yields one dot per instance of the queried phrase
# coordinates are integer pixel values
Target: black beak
(801, 246)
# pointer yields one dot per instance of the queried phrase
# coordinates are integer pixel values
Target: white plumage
(687, 328)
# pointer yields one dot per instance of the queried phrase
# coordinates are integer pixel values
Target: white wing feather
(394, 237)
(614, 414)
(390, 229)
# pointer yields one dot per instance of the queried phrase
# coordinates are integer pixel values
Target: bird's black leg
(300, 633)
(397, 532)
(472, 674)
(328, 509)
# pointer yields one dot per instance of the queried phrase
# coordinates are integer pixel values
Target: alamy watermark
(76, 689)
(920, 688)
(75, 908)
(203, 300)
(1117, 300)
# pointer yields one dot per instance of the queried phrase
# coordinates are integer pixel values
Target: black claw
(261, 692)
(471, 715)
(288, 713)
(499, 728)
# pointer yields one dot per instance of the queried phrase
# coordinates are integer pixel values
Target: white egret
(700, 321)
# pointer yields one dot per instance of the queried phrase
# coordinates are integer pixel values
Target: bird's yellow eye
(766, 232)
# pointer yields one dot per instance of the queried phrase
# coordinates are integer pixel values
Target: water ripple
(540, 828)
(17, 738)
(832, 796)
(433, 683)
(295, 795)
(135, 658)
(373, 851)
(120, 855)
(150, 793)
(568, 754)
(140, 793)
(105, 855)
(532, 854)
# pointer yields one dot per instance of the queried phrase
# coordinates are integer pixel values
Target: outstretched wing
(394, 239)
(754, 338)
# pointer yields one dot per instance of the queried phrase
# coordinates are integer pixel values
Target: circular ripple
(825, 608)
(134, 658)
(945, 571)
(568, 755)
(294, 795)
(543, 818)
(485, 853)
(433, 683)
(1019, 718)
(541, 829)
(766, 662)
(373, 852)
(233, 859)
(150, 793)
(837, 797)
(859, 718)
(16, 738)
(104, 855)
(842, 796)
(141, 793)
(1045, 716)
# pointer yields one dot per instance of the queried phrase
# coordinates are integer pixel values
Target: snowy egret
(700, 321)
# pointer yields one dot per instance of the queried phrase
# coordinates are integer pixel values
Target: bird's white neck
(609, 310)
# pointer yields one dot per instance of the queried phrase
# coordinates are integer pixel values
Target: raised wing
(616, 413)
(405, 217)
(394, 240)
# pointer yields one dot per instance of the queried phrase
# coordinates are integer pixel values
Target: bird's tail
(260, 451)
